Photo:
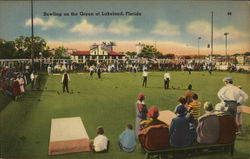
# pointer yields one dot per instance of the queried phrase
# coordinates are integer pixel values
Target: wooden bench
(194, 150)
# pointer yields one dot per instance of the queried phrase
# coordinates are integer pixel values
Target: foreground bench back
(155, 137)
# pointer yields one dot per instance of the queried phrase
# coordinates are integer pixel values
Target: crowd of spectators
(13, 80)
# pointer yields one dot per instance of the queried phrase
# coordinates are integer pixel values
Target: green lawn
(109, 102)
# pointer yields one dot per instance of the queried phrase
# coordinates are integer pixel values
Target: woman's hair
(182, 100)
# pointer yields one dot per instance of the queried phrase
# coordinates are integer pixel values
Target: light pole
(199, 38)
(226, 34)
(212, 35)
(32, 37)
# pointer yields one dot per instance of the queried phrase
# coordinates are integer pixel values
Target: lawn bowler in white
(166, 80)
(145, 78)
(232, 95)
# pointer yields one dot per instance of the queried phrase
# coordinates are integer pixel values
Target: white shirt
(32, 76)
(100, 143)
(63, 77)
(232, 93)
(166, 75)
(144, 74)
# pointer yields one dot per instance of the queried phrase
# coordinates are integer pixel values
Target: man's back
(208, 129)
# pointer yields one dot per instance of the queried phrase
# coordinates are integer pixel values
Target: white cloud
(165, 28)
(117, 26)
(122, 26)
(87, 28)
(52, 22)
(203, 29)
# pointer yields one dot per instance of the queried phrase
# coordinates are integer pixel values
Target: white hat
(221, 107)
(227, 79)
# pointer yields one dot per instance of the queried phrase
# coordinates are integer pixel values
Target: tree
(24, 47)
(130, 53)
(168, 56)
(7, 49)
(247, 53)
(149, 51)
(110, 45)
(60, 53)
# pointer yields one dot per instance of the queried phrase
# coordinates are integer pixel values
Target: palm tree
(110, 45)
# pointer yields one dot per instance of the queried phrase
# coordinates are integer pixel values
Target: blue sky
(175, 26)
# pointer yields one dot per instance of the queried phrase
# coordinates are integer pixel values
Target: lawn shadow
(29, 94)
(5, 100)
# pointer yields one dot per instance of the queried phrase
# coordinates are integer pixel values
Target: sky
(171, 26)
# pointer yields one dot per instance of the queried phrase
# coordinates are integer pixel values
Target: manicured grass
(109, 102)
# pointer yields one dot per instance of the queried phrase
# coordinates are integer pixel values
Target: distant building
(139, 47)
(97, 53)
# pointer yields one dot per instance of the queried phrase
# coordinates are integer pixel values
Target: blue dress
(180, 134)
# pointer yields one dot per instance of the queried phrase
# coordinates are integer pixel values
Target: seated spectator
(227, 123)
(101, 142)
(154, 137)
(182, 102)
(194, 107)
(208, 126)
(153, 115)
(141, 112)
(127, 141)
(180, 134)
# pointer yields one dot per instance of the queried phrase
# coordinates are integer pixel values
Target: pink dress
(21, 84)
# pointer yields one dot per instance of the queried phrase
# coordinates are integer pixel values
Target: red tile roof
(81, 53)
(114, 53)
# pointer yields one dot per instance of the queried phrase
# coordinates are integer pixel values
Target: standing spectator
(180, 135)
(141, 112)
(189, 69)
(21, 83)
(16, 89)
(99, 71)
(101, 142)
(166, 80)
(65, 81)
(208, 126)
(32, 78)
(232, 95)
(145, 78)
(49, 69)
(127, 138)
(210, 69)
(91, 71)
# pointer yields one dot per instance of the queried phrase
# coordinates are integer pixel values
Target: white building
(139, 47)
(97, 53)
